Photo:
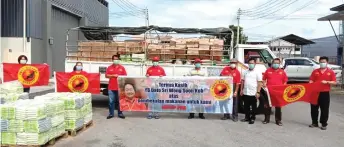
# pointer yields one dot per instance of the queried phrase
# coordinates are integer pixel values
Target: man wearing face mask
(197, 72)
(155, 70)
(112, 72)
(232, 71)
(250, 91)
(327, 77)
(274, 76)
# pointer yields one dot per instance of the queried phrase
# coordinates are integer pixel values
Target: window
(258, 55)
(297, 49)
(301, 62)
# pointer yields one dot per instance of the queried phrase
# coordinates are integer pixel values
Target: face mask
(251, 66)
(115, 62)
(275, 66)
(232, 65)
(198, 65)
(155, 63)
(78, 68)
(22, 61)
(323, 65)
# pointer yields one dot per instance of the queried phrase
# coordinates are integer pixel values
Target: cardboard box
(85, 46)
(216, 47)
(98, 46)
(84, 54)
(96, 55)
(72, 58)
(180, 56)
(109, 54)
(192, 57)
(83, 59)
(192, 51)
(165, 57)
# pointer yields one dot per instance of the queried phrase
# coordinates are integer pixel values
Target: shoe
(251, 122)
(121, 116)
(244, 120)
(225, 117)
(109, 117)
(202, 117)
(313, 126)
(149, 117)
(157, 117)
(266, 122)
(323, 128)
(279, 123)
(235, 119)
(190, 117)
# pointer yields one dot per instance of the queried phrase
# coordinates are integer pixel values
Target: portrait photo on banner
(176, 94)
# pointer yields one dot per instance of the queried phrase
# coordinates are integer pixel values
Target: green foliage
(242, 36)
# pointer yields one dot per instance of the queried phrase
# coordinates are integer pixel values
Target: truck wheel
(105, 92)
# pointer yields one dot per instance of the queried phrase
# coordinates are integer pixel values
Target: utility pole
(238, 27)
(146, 17)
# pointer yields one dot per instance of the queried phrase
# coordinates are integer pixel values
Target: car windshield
(315, 61)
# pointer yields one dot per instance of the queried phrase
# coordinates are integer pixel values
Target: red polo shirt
(228, 71)
(115, 70)
(328, 75)
(155, 71)
(275, 76)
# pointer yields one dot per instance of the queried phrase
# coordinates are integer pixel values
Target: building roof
(294, 39)
(334, 16)
(338, 8)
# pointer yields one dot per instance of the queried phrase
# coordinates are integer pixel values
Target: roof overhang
(338, 8)
(294, 39)
(333, 17)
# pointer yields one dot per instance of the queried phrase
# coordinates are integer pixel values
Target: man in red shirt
(112, 72)
(327, 77)
(274, 76)
(154, 70)
(232, 71)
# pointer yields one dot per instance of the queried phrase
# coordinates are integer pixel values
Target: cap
(197, 60)
(156, 58)
(233, 60)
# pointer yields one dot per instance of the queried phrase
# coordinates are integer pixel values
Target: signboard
(176, 94)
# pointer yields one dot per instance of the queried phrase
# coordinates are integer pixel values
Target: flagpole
(55, 81)
(268, 94)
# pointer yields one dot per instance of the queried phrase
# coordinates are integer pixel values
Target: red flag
(281, 95)
(78, 82)
(27, 74)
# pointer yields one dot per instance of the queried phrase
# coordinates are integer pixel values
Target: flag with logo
(281, 95)
(77, 82)
(27, 74)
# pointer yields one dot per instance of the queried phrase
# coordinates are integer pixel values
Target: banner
(77, 82)
(176, 94)
(282, 95)
(27, 74)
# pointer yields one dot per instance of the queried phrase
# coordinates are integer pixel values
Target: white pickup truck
(299, 69)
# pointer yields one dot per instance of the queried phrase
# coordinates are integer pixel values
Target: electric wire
(128, 10)
(265, 13)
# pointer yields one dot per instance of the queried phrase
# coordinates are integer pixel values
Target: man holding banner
(327, 77)
(234, 72)
(274, 76)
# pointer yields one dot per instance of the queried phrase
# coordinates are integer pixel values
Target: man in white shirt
(197, 72)
(250, 91)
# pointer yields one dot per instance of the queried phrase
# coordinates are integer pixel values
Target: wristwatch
(258, 92)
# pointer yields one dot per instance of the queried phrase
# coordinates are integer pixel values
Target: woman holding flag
(22, 59)
(78, 68)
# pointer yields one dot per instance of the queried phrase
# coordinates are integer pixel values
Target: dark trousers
(199, 114)
(114, 102)
(267, 113)
(250, 102)
(324, 105)
(27, 90)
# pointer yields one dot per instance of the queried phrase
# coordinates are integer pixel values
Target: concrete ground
(175, 130)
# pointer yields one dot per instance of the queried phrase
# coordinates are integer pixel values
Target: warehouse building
(37, 28)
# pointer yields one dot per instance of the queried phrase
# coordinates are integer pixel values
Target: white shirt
(251, 79)
(194, 72)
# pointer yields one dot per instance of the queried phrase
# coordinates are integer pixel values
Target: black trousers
(324, 105)
(267, 113)
(27, 90)
(250, 102)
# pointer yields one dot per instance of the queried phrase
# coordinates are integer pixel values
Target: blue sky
(221, 13)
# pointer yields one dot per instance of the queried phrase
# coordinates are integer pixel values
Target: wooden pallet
(49, 143)
(81, 129)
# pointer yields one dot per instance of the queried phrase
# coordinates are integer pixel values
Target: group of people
(250, 84)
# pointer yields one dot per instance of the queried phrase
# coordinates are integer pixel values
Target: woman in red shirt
(78, 68)
(129, 102)
(22, 59)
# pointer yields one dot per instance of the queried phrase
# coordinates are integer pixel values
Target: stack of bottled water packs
(12, 91)
(30, 122)
(78, 108)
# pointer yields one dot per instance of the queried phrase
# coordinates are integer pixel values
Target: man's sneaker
(244, 120)
(235, 119)
(109, 117)
(266, 122)
(121, 116)
(202, 117)
(313, 126)
(149, 117)
(323, 128)
(156, 116)
(190, 117)
(251, 122)
(225, 117)
(279, 123)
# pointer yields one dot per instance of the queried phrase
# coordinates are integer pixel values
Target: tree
(242, 36)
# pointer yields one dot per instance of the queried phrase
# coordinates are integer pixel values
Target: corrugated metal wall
(61, 22)
(34, 19)
(12, 18)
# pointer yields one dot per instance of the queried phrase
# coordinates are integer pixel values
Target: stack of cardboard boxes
(175, 48)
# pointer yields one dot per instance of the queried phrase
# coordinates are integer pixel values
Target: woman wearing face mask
(130, 102)
(197, 72)
(78, 68)
(112, 72)
(22, 59)
(155, 70)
